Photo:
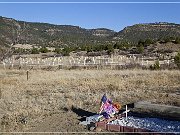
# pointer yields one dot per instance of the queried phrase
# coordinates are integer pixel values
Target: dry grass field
(43, 103)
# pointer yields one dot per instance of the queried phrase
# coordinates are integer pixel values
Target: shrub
(177, 60)
(140, 42)
(110, 49)
(156, 65)
(177, 40)
(57, 50)
(148, 42)
(19, 50)
(66, 51)
(43, 50)
(34, 51)
(140, 49)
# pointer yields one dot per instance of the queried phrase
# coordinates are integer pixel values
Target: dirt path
(63, 122)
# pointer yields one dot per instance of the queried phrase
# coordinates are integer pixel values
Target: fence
(99, 62)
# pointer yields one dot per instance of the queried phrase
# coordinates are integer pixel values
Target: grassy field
(26, 103)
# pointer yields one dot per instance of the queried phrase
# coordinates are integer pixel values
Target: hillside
(13, 31)
(153, 31)
(44, 34)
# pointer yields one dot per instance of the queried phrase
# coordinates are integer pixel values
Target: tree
(83, 48)
(17, 51)
(43, 50)
(98, 48)
(148, 42)
(140, 42)
(109, 48)
(57, 50)
(126, 45)
(35, 51)
(140, 49)
(66, 51)
(89, 48)
(116, 46)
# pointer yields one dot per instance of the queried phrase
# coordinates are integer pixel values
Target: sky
(115, 16)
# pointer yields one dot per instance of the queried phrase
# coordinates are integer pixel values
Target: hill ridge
(46, 34)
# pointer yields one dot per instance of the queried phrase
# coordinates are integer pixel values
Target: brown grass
(49, 92)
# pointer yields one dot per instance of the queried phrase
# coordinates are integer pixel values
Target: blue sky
(112, 16)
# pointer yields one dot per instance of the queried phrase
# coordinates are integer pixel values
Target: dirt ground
(56, 101)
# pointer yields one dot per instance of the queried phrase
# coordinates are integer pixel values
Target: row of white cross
(81, 60)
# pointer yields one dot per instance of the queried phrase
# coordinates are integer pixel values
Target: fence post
(27, 75)
(4, 64)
